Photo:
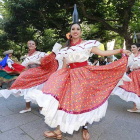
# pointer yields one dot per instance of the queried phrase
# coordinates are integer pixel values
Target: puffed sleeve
(56, 48)
(61, 54)
(9, 63)
(88, 45)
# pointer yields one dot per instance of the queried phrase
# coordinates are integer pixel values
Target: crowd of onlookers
(99, 61)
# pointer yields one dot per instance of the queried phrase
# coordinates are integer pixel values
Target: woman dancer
(130, 91)
(9, 70)
(78, 93)
(39, 66)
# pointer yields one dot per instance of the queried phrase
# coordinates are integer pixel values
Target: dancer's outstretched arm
(97, 51)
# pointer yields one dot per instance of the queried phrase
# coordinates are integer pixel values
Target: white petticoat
(68, 122)
(127, 96)
(20, 92)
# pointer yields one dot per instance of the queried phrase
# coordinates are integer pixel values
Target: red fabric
(134, 85)
(74, 44)
(31, 52)
(78, 64)
(36, 76)
(17, 69)
(86, 88)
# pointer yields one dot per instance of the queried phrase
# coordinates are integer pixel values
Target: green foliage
(119, 42)
(47, 21)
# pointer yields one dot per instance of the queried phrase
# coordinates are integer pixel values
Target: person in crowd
(130, 91)
(102, 61)
(9, 70)
(109, 60)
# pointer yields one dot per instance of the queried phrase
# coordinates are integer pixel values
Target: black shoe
(85, 127)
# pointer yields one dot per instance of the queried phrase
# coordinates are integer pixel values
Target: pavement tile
(14, 134)
(97, 128)
(118, 105)
(78, 135)
(133, 118)
(16, 107)
(35, 129)
(114, 136)
(15, 120)
(35, 110)
(2, 101)
(4, 111)
(124, 125)
(11, 100)
(121, 130)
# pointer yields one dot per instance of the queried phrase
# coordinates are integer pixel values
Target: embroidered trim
(128, 90)
(34, 56)
(88, 43)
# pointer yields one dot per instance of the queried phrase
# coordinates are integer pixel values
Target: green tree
(104, 19)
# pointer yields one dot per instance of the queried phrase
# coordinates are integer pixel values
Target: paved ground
(117, 125)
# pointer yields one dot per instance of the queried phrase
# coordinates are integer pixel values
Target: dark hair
(68, 42)
(32, 41)
(137, 44)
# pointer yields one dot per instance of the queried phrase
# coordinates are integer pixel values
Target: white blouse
(33, 59)
(10, 62)
(78, 53)
(133, 62)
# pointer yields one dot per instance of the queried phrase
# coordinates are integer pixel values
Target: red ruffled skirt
(85, 88)
(8, 75)
(36, 76)
(134, 85)
(17, 69)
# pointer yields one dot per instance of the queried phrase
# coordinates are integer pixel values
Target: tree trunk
(128, 42)
(138, 37)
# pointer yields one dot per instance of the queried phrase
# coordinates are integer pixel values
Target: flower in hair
(68, 35)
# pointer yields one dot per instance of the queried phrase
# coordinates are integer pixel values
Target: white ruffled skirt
(130, 91)
(67, 122)
(127, 96)
(20, 92)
